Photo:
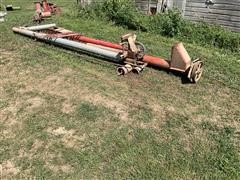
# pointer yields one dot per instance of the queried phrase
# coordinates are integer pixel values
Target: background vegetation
(171, 24)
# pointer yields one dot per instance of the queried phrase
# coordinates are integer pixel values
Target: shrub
(171, 23)
(123, 12)
(167, 24)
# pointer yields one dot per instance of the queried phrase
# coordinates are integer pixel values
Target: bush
(171, 24)
(167, 24)
(215, 35)
(92, 11)
(122, 12)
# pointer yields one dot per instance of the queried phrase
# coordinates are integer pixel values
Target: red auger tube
(96, 41)
(154, 61)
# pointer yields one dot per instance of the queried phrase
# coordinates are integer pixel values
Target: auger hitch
(129, 54)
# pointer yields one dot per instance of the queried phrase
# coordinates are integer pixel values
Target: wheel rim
(197, 71)
(141, 49)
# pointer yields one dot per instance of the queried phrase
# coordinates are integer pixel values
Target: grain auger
(129, 54)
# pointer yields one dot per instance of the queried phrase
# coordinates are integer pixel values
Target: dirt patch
(8, 115)
(35, 102)
(9, 68)
(8, 119)
(12, 108)
(74, 140)
(7, 133)
(6, 56)
(59, 168)
(69, 137)
(130, 135)
(114, 105)
(68, 107)
(60, 131)
(170, 109)
(36, 145)
(8, 169)
(59, 85)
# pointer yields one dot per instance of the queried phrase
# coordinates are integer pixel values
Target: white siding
(223, 12)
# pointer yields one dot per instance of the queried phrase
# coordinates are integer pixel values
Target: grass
(67, 115)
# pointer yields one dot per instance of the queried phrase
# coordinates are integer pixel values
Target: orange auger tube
(96, 41)
(154, 61)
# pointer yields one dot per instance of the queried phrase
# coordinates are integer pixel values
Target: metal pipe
(154, 61)
(97, 42)
(139, 69)
(41, 27)
(123, 70)
(113, 56)
(107, 48)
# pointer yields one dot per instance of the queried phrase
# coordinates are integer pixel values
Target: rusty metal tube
(73, 45)
(156, 61)
(153, 61)
(97, 42)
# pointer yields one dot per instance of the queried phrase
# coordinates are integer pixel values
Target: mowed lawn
(68, 115)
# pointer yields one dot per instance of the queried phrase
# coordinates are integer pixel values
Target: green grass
(67, 115)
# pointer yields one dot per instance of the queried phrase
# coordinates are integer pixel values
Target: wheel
(197, 70)
(141, 49)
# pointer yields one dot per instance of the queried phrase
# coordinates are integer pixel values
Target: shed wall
(223, 12)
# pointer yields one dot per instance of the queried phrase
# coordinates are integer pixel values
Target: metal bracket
(133, 49)
(195, 70)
